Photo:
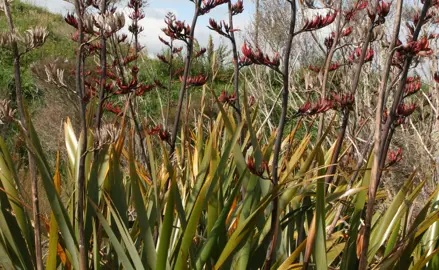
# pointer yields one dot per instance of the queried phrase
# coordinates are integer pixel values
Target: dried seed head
(6, 111)
(107, 134)
(35, 37)
(6, 39)
(54, 74)
(110, 22)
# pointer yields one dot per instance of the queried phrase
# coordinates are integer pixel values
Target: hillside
(57, 44)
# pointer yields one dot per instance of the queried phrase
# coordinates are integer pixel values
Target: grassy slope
(58, 43)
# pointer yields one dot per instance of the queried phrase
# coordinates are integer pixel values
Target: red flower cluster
(419, 48)
(357, 53)
(208, 5)
(320, 106)
(218, 27)
(258, 58)
(162, 58)
(237, 8)
(383, 9)
(353, 11)
(199, 80)
(404, 110)
(244, 62)
(176, 29)
(163, 134)
(413, 86)
(108, 106)
(344, 102)
(394, 157)
(225, 98)
(346, 32)
(71, 19)
(200, 53)
(319, 22)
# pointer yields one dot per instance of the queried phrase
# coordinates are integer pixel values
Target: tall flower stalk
(25, 124)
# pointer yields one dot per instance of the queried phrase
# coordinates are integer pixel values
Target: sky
(155, 12)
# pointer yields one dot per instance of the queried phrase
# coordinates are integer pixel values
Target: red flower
(178, 72)
(321, 106)
(70, 19)
(142, 89)
(412, 87)
(129, 58)
(163, 134)
(319, 22)
(238, 7)
(164, 41)
(314, 68)
(177, 50)
(347, 32)
(111, 108)
(199, 80)
(224, 98)
(405, 110)
(259, 58)
(200, 53)
(304, 108)
(357, 53)
(394, 157)
(162, 58)
(357, 7)
(208, 5)
(344, 102)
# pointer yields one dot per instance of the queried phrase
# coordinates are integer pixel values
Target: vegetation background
(307, 140)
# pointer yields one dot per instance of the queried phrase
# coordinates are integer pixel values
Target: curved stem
(270, 257)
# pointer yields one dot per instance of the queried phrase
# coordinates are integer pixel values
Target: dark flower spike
(162, 58)
(199, 80)
(329, 41)
(258, 58)
(177, 29)
(177, 50)
(319, 22)
(164, 41)
(394, 157)
(412, 86)
(353, 11)
(321, 106)
(71, 19)
(108, 106)
(178, 72)
(347, 32)
(344, 102)
(353, 58)
(208, 5)
(243, 61)
(303, 110)
(122, 38)
(129, 58)
(142, 89)
(200, 53)
(163, 134)
(225, 98)
(405, 110)
(237, 8)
